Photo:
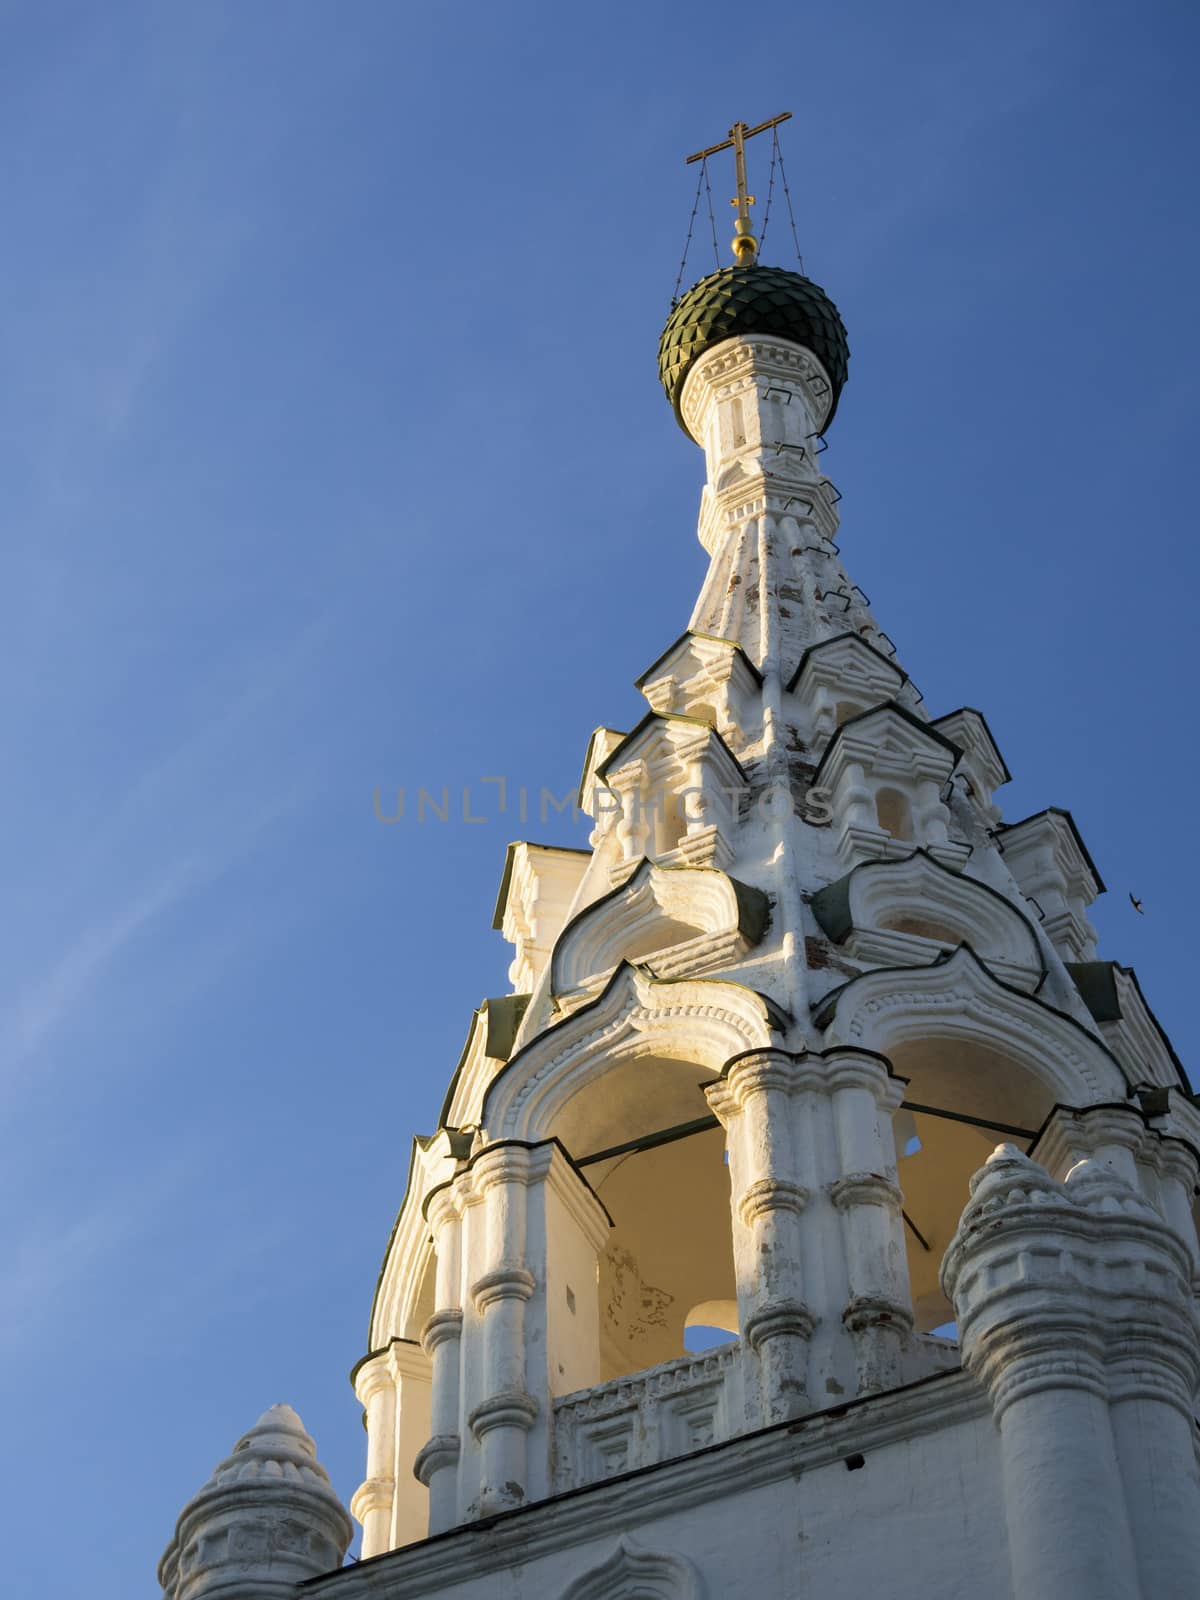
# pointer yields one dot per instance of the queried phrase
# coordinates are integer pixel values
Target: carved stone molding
(265, 1521)
(511, 1408)
(776, 1317)
(631, 1573)
(1058, 1285)
(442, 1450)
(505, 1283)
(865, 1189)
(771, 1194)
(442, 1326)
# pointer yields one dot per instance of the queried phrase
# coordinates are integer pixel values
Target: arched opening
(711, 1323)
(668, 1263)
(938, 1154)
(894, 813)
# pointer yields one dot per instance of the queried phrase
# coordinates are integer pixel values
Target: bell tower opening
(668, 1265)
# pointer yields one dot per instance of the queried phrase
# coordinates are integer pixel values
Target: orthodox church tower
(763, 1039)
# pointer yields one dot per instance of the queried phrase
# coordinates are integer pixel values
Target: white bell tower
(764, 1038)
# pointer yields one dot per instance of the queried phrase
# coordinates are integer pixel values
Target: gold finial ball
(745, 249)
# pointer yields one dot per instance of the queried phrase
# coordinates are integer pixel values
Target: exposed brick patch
(822, 956)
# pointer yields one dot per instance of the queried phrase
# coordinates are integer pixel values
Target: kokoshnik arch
(751, 1071)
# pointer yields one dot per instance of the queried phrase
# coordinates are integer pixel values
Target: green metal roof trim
(509, 859)
(648, 721)
(975, 712)
(777, 1018)
(840, 638)
(753, 908)
(748, 301)
(895, 709)
(714, 638)
(831, 907)
(1097, 985)
(824, 1008)
(501, 1016)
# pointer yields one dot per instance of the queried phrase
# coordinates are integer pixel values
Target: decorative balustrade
(650, 1416)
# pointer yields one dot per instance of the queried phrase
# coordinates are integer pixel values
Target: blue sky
(332, 457)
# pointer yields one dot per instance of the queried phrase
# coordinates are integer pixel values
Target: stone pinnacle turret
(266, 1519)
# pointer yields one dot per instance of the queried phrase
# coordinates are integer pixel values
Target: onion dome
(266, 1520)
(747, 301)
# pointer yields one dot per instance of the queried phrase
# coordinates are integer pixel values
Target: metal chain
(712, 219)
(791, 214)
(687, 245)
(770, 187)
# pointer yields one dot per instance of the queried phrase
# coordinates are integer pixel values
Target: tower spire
(745, 245)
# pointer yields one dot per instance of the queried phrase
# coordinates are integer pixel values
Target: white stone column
(373, 1500)
(1153, 1365)
(501, 1422)
(1034, 1272)
(856, 799)
(879, 1311)
(410, 1370)
(1176, 1166)
(931, 817)
(533, 1275)
(436, 1465)
(754, 1104)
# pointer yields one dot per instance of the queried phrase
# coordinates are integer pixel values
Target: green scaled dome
(752, 300)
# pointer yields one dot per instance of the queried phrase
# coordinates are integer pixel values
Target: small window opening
(894, 813)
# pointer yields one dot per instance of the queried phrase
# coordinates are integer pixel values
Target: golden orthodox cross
(745, 245)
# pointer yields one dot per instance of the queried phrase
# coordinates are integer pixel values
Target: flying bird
(1136, 904)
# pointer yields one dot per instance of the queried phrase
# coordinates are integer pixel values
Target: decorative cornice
(634, 1571)
(776, 1454)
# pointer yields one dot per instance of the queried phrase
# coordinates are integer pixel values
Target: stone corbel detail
(1074, 1308)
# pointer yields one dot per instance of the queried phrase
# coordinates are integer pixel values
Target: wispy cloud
(51, 1265)
(215, 786)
